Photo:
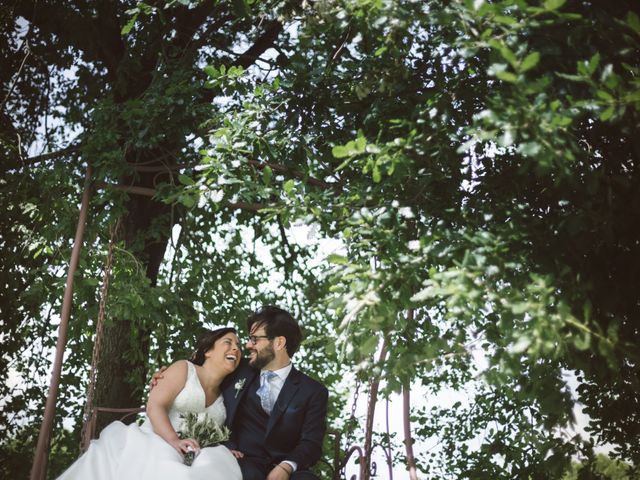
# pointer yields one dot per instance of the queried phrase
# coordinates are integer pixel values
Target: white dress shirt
(275, 386)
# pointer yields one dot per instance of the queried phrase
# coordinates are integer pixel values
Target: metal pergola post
(39, 468)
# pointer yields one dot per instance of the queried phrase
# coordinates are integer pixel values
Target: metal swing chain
(88, 408)
(352, 417)
(355, 400)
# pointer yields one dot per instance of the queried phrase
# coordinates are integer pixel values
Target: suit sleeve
(309, 448)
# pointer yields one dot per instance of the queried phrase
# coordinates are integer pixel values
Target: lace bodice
(191, 399)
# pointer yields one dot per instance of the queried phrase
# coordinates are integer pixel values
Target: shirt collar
(283, 372)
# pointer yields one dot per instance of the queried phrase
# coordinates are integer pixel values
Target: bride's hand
(183, 446)
(237, 453)
(156, 377)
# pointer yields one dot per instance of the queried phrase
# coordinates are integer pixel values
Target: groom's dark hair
(277, 323)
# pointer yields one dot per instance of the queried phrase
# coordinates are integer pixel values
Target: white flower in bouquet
(202, 429)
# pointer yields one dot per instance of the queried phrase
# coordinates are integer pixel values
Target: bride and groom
(276, 413)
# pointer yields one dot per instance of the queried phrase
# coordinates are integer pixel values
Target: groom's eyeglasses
(254, 338)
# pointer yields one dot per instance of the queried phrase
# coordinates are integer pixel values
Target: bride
(154, 450)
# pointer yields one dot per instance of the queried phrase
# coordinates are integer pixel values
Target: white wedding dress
(132, 452)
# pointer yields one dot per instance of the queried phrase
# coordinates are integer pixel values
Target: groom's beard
(263, 357)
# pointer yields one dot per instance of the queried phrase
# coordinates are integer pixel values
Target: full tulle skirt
(132, 452)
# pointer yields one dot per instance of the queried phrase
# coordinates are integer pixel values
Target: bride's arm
(161, 399)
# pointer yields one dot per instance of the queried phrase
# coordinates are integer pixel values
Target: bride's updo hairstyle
(206, 341)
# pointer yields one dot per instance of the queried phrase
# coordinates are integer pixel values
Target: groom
(276, 413)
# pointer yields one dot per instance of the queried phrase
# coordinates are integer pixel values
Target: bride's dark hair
(205, 343)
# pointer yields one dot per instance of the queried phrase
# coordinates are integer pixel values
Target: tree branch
(289, 259)
(259, 165)
(151, 192)
(263, 43)
(295, 173)
(51, 155)
(167, 168)
(98, 39)
(17, 75)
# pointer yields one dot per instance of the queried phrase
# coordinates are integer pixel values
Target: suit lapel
(289, 389)
(236, 390)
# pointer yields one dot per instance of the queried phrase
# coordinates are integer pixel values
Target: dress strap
(191, 370)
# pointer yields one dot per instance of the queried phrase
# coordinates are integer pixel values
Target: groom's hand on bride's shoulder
(156, 377)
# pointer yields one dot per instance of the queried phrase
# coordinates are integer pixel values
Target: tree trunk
(124, 357)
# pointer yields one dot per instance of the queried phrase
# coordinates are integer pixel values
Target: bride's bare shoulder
(172, 381)
(179, 368)
(176, 373)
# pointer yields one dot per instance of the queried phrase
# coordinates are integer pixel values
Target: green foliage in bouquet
(206, 431)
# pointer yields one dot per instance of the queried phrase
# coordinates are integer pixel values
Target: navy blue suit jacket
(297, 423)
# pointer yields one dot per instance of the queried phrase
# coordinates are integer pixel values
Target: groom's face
(262, 353)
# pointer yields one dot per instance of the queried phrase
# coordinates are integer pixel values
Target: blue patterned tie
(264, 392)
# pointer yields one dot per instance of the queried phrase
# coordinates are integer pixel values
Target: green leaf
(505, 20)
(634, 22)
(145, 8)
(507, 76)
(371, 148)
(593, 63)
(607, 114)
(633, 97)
(561, 120)
(508, 55)
(582, 341)
(340, 151)
(337, 259)
(573, 78)
(211, 71)
(188, 200)
(353, 147)
(369, 346)
(380, 51)
(129, 25)
(377, 176)
(288, 186)
(553, 4)
(530, 61)
(583, 68)
(520, 308)
(605, 95)
(521, 345)
(267, 174)
(424, 294)
(241, 8)
(529, 149)
(186, 180)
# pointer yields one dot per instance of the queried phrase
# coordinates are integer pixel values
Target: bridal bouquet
(204, 430)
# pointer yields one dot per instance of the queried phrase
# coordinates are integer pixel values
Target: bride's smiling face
(226, 351)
